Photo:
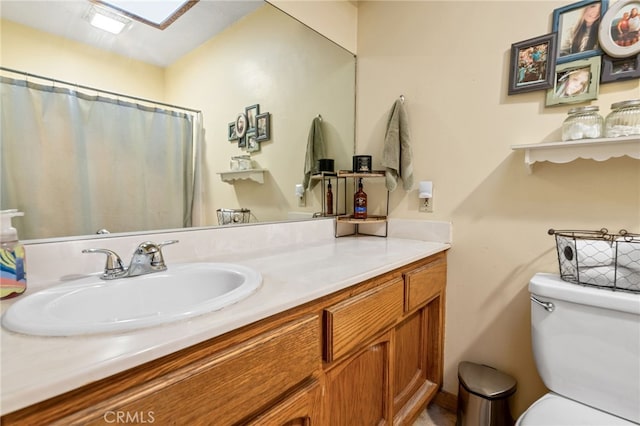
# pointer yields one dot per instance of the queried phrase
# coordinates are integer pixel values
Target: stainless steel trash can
(483, 396)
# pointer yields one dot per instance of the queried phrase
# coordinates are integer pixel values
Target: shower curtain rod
(53, 80)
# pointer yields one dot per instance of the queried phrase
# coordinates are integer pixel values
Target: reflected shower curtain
(76, 163)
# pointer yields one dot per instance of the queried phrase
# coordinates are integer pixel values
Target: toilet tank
(587, 346)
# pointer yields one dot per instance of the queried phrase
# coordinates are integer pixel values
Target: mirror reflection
(266, 62)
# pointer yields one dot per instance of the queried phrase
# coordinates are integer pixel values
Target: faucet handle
(152, 250)
(158, 258)
(113, 268)
(166, 243)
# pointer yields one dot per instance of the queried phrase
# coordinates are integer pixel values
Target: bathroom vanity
(326, 344)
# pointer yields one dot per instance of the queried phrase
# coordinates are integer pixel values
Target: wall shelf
(256, 175)
(371, 219)
(590, 149)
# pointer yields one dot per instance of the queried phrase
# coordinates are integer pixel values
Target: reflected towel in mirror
(315, 151)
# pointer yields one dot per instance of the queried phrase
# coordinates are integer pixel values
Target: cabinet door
(413, 381)
(359, 388)
(303, 408)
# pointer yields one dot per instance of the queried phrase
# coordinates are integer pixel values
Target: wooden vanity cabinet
(383, 348)
(370, 354)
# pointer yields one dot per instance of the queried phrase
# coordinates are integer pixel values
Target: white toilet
(586, 343)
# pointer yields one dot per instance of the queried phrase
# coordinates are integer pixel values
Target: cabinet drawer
(424, 283)
(349, 323)
(226, 387)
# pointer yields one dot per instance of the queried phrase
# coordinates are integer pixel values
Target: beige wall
(450, 60)
(335, 19)
(24, 49)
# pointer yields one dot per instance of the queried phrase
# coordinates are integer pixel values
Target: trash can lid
(485, 381)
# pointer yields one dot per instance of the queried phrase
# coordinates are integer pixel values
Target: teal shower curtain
(76, 163)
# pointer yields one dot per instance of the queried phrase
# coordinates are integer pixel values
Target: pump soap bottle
(13, 267)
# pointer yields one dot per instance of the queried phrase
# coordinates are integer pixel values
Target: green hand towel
(397, 156)
(315, 151)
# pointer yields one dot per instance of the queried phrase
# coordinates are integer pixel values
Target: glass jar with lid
(624, 119)
(582, 123)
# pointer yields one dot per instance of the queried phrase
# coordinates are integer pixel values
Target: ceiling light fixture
(107, 21)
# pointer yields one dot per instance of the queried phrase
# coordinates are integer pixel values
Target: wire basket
(599, 258)
(232, 216)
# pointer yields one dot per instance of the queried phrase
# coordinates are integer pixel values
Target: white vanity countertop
(38, 368)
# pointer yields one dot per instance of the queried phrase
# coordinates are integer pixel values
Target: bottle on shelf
(329, 209)
(360, 203)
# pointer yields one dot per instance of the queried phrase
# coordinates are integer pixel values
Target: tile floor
(435, 415)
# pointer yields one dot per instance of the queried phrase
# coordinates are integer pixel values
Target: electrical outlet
(427, 205)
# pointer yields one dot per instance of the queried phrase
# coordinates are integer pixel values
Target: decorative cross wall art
(250, 128)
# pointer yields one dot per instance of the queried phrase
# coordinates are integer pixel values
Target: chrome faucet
(147, 258)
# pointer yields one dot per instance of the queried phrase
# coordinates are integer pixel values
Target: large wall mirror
(265, 57)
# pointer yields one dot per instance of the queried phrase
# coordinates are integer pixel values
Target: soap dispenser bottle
(13, 267)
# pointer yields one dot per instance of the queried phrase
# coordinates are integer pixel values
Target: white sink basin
(92, 305)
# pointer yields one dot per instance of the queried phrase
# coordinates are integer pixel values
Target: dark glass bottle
(360, 203)
(329, 199)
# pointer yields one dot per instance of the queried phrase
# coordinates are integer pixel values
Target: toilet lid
(555, 410)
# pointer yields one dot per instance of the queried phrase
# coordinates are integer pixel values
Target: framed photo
(574, 82)
(577, 27)
(242, 142)
(241, 126)
(617, 69)
(252, 112)
(620, 29)
(231, 134)
(532, 64)
(263, 127)
(253, 144)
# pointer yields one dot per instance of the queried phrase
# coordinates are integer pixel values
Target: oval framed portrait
(241, 125)
(619, 33)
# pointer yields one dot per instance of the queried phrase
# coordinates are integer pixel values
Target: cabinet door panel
(358, 389)
(410, 359)
(351, 322)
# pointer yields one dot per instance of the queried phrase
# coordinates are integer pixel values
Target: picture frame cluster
(590, 44)
(250, 128)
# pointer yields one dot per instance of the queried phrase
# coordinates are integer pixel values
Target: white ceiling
(139, 41)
